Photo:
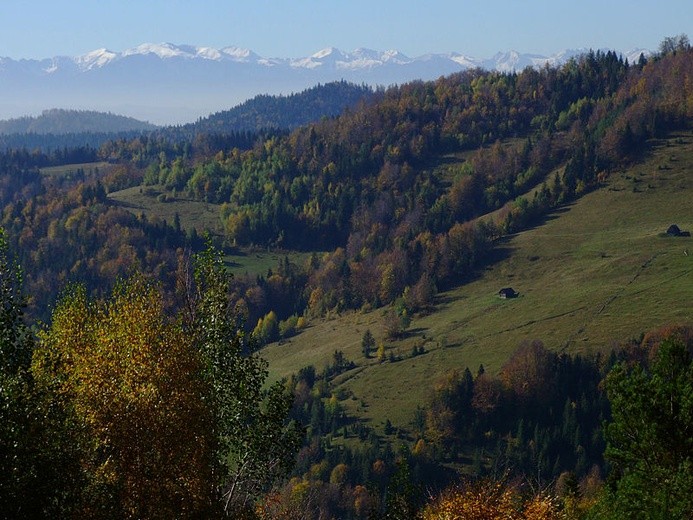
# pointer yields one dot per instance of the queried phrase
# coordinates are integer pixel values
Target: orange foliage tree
(489, 500)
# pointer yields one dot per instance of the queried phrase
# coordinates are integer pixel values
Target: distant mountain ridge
(360, 58)
(174, 84)
(60, 121)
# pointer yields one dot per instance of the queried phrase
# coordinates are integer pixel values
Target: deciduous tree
(132, 380)
(253, 439)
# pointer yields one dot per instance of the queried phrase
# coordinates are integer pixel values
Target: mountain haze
(58, 128)
(175, 84)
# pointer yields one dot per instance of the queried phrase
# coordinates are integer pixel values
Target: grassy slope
(200, 216)
(70, 169)
(193, 214)
(595, 272)
(258, 261)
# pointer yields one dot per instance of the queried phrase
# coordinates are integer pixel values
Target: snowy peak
(97, 58)
(327, 58)
(102, 57)
(634, 55)
(464, 61)
(360, 58)
(324, 57)
(169, 50)
(162, 50)
(394, 56)
(514, 61)
(390, 56)
(239, 54)
(328, 53)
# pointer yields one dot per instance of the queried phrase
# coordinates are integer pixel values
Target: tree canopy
(650, 439)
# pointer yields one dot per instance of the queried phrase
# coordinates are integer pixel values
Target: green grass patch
(69, 170)
(256, 261)
(157, 203)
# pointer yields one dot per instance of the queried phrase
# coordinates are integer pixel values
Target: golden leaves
(132, 378)
(489, 500)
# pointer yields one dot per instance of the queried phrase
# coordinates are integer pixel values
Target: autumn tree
(529, 373)
(396, 321)
(267, 328)
(450, 408)
(131, 378)
(490, 499)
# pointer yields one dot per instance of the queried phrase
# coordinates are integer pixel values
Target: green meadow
(68, 170)
(157, 203)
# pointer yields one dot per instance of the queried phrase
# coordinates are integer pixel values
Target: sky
(295, 28)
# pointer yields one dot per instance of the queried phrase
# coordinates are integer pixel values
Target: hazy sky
(292, 28)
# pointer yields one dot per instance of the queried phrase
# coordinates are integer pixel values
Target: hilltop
(60, 121)
(285, 112)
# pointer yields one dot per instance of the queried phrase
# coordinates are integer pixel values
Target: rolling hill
(59, 121)
(283, 112)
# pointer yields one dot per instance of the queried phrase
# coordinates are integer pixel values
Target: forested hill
(413, 190)
(59, 121)
(373, 171)
(283, 112)
(68, 129)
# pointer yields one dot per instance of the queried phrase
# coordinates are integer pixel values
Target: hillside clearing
(68, 170)
(156, 202)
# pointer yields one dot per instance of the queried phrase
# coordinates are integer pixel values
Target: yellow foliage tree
(131, 379)
(381, 352)
(339, 474)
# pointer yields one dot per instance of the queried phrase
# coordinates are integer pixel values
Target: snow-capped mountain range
(170, 84)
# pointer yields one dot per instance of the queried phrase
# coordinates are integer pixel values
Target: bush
(288, 327)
